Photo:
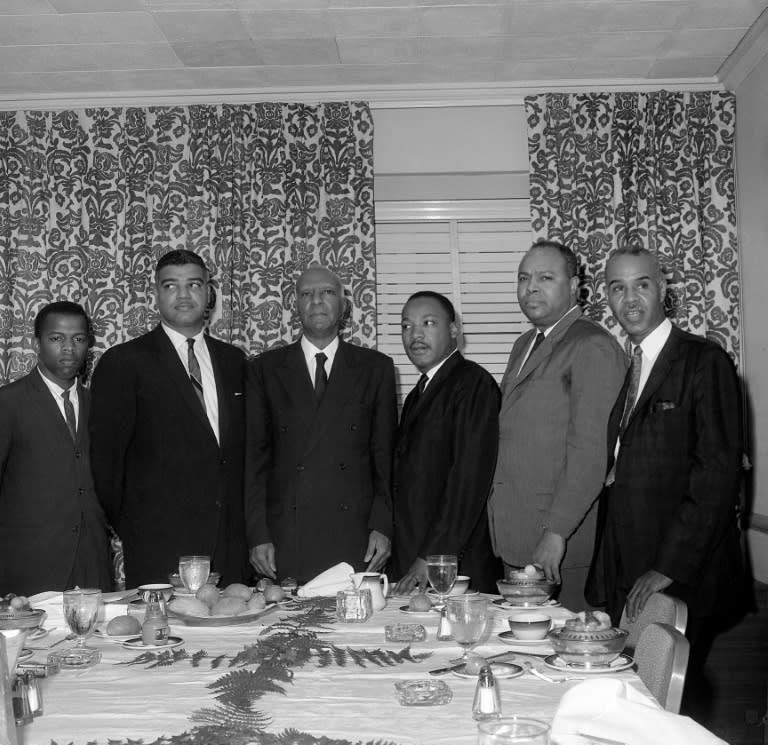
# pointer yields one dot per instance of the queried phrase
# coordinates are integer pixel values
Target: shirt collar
(549, 330)
(310, 350)
(178, 340)
(653, 343)
(55, 388)
(433, 370)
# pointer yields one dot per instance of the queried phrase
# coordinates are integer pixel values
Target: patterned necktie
(194, 372)
(69, 415)
(634, 386)
(321, 377)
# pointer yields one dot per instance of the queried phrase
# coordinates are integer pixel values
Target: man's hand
(648, 583)
(549, 554)
(414, 580)
(379, 549)
(263, 559)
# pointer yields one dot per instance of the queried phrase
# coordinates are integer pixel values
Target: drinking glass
(513, 731)
(194, 571)
(468, 615)
(441, 573)
(81, 610)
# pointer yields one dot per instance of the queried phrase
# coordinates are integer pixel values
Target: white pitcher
(372, 581)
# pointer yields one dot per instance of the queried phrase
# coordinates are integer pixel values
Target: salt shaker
(444, 628)
(155, 629)
(487, 703)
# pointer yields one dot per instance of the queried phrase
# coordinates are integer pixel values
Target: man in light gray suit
(561, 381)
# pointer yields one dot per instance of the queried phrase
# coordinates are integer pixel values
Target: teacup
(529, 626)
(164, 590)
(461, 585)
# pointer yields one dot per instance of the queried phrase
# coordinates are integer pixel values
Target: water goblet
(467, 615)
(81, 610)
(513, 731)
(441, 573)
(194, 571)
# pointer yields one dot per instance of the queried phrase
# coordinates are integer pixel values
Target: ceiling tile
(702, 42)
(295, 24)
(685, 67)
(298, 51)
(74, 28)
(218, 53)
(205, 25)
(379, 22)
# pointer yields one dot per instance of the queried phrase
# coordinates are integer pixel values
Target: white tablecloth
(118, 701)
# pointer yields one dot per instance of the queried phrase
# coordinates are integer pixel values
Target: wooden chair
(660, 608)
(661, 657)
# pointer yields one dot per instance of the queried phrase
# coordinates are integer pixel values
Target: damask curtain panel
(643, 169)
(90, 199)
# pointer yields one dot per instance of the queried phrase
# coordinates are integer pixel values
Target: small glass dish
(423, 693)
(405, 632)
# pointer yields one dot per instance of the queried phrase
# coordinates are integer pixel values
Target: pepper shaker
(487, 703)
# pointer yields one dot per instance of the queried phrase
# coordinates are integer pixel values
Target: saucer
(622, 662)
(406, 609)
(38, 633)
(503, 603)
(135, 642)
(499, 670)
(117, 638)
(509, 638)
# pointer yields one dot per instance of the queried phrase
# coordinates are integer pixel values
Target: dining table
(292, 675)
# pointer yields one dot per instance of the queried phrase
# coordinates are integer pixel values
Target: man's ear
(210, 303)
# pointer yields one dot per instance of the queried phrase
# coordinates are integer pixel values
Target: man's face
(544, 289)
(428, 334)
(320, 302)
(182, 295)
(635, 294)
(62, 347)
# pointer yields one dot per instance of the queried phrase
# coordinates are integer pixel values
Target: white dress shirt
(310, 350)
(179, 342)
(433, 371)
(546, 333)
(56, 391)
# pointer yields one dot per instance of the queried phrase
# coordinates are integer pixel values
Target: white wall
(752, 172)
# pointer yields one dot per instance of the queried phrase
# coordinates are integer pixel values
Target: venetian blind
(471, 261)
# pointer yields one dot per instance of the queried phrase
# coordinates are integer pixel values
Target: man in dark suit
(445, 452)
(561, 381)
(668, 512)
(167, 435)
(53, 534)
(321, 424)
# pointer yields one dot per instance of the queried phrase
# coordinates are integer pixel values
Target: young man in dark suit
(167, 435)
(445, 452)
(53, 534)
(321, 423)
(668, 512)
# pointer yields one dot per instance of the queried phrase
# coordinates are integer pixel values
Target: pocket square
(239, 393)
(664, 405)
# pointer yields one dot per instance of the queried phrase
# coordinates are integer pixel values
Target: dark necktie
(321, 377)
(634, 386)
(69, 415)
(194, 372)
(536, 344)
(422, 384)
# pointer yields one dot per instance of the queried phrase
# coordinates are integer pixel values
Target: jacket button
(223, 462)
(300, 467)
(342, 466)
(77, 454)
(218, 503)
(344, 507)
(76, 529)
(81, 492)
(353, 427)
(283, 429)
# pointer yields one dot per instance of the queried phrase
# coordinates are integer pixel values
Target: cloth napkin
(328, 582)
(612, 709)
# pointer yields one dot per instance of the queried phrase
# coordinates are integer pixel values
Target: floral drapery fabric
(643, 169)
(90, 199)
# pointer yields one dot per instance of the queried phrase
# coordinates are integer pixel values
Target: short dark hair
(658, 269)
(571, 262)
(442, 299)
(61, 307)
(179, 257)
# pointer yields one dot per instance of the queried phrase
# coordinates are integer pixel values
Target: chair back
(661, 657)
(659, 608)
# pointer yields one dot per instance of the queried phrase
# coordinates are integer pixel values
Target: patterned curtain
(90, 199)
(643, 169)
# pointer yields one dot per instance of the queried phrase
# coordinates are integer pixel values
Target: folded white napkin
(328, 582)
(612, 709)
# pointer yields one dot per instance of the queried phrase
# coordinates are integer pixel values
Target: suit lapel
(414, 404)
(84, 408)
(173, 369)
(48, 410)
(223, 394)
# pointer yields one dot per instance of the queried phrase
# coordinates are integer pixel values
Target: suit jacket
(318, 477)
(551, 462)
(444, 460)
(167, 486)
(673, 505)
(53, 534)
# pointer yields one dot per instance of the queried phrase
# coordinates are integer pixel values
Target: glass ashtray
(423, 693)
(405, 632)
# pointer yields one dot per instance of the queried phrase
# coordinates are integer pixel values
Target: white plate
(118, 638)
(407, 609)
(37, 634)
(502, 603)
(509, 638)
(135, 642)
(499, 670)
(187, 620)
(451, 594)
(622, 662)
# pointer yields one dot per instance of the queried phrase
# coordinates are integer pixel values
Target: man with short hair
(321, 423)
(445, 452)
(668, 513)
(560, 383)
(53, 534)
(167, 435)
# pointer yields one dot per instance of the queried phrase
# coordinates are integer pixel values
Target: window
(469, 251)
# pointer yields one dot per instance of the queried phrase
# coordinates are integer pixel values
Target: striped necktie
(69, 415)
(634, 386)
(194, 372)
